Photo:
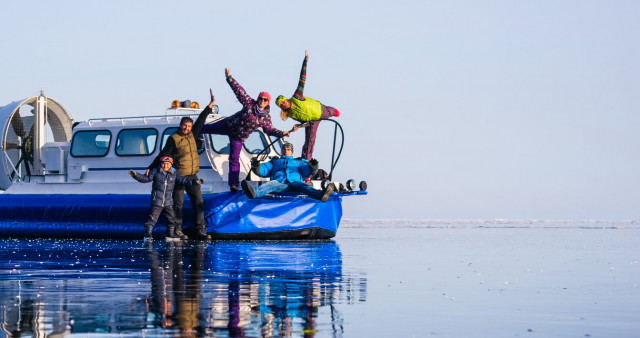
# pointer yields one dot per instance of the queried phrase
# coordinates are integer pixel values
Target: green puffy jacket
(305, 110)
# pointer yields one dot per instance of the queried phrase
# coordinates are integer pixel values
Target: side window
(256, 142)
(132, 142)
(90, 143)
(200, 143)
(167, 133)
(220, 143)
(277, 145)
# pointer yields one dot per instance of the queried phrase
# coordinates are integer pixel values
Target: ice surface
(499, 278)
(494, 278)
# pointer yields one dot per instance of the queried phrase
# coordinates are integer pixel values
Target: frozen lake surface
(375, 279)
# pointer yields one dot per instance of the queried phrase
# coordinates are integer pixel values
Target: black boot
(148, 232)
(327, 192)
(201, 234)
(248, 189)
(181, 234)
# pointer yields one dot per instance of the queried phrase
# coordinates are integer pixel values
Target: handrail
(121, 119)
(193, 112)
(334, 159)
(335, 134)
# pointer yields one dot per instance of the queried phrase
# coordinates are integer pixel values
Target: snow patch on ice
(494, 223)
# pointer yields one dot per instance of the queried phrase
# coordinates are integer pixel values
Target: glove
(255, 166)
(199, 181)
(132, 173)
(313, 167)
(255, 163)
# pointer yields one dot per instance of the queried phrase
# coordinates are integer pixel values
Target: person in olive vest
(182, 146)
(304, 109)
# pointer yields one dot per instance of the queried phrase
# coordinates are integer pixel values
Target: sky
(451, 109)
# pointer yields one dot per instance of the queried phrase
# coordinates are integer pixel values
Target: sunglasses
(263, 99)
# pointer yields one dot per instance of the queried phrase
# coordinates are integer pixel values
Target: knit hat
(287, 145)
(166, 159)
(266, 95)
(283, 114)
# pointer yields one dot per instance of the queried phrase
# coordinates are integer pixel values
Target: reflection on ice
(227, 288)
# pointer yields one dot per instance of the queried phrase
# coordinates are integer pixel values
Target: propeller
(10, 145)
(18, 129)
(26, 148)
(17, 124)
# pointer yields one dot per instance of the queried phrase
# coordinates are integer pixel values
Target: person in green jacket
(304, 109)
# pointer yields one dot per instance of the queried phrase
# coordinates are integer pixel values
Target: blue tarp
(122, 216)
(275, 213)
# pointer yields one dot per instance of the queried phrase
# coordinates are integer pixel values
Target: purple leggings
(310, 133)
(235, 146)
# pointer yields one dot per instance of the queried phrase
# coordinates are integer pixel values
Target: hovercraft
(67, 179)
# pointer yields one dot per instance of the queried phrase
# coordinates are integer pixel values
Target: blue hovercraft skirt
(229, 215)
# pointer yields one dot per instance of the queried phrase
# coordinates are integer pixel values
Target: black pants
(196, 202)
(155, 213)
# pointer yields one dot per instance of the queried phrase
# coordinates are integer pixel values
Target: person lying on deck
(286, 174)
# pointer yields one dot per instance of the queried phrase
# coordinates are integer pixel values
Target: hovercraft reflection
(228, 288)
(78, 186)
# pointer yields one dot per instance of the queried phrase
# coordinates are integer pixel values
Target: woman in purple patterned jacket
(254, 114)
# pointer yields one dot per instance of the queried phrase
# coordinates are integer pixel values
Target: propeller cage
(26, 126)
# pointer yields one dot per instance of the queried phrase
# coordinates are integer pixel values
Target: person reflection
(161, 283)
(279, 309)
(234, 326)
(261, 290)
(174, 300)
(309, 311)
(27, 320)
(188, 298)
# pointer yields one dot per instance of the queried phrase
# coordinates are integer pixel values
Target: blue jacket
(286, 169)
(163, 184)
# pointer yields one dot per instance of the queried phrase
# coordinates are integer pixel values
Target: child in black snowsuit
(164, 181)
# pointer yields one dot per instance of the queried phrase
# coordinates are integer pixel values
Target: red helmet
(166, 159)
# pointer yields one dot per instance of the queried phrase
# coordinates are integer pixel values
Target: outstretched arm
(188, 181)
(197, 126)
(241, 94)
(271, 130)
(140, 178)
(303, 78)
